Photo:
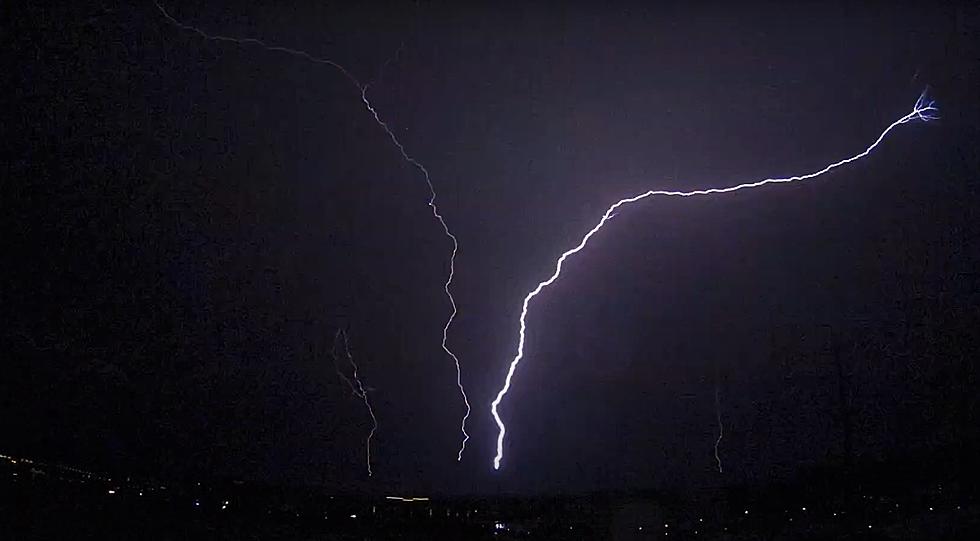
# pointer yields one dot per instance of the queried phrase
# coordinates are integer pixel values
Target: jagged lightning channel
(336, 363)
(924, 110)
(721, 427)
(452, 263)
(357, 388)
(363, 89)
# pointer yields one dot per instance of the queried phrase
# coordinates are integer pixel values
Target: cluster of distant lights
(498, 526)
(86, 475)
(802, 509)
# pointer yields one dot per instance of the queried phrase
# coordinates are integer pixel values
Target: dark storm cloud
(192, 222)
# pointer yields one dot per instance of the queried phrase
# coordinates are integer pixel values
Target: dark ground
(936, 500)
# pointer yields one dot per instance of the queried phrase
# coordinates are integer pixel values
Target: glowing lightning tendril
(924, 110)
(363, 88)
(721, 428)
(452, 263)
(357, 388)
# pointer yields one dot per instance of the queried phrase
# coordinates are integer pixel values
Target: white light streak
(363, 88)
(358, 389)
(401, 499)
(924, 110)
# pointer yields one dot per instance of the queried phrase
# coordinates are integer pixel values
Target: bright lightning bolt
(924, 110)
(363, 88)
(357, 388)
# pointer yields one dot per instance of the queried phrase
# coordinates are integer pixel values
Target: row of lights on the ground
(226, 503)
(746, 512)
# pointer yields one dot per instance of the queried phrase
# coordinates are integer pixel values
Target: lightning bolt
(924, 110)
(357, 388)
(336, 363)
(452, 262)
(363, 89)
(252, 41)
(721, 428)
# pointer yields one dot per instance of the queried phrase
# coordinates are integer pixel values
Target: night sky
(188, 223)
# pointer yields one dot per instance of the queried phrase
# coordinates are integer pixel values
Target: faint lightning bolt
(363, 88)
(357, 388)
(336, 364)
(260, 43)
(924, 110)
(721, 428)
(452, 262)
